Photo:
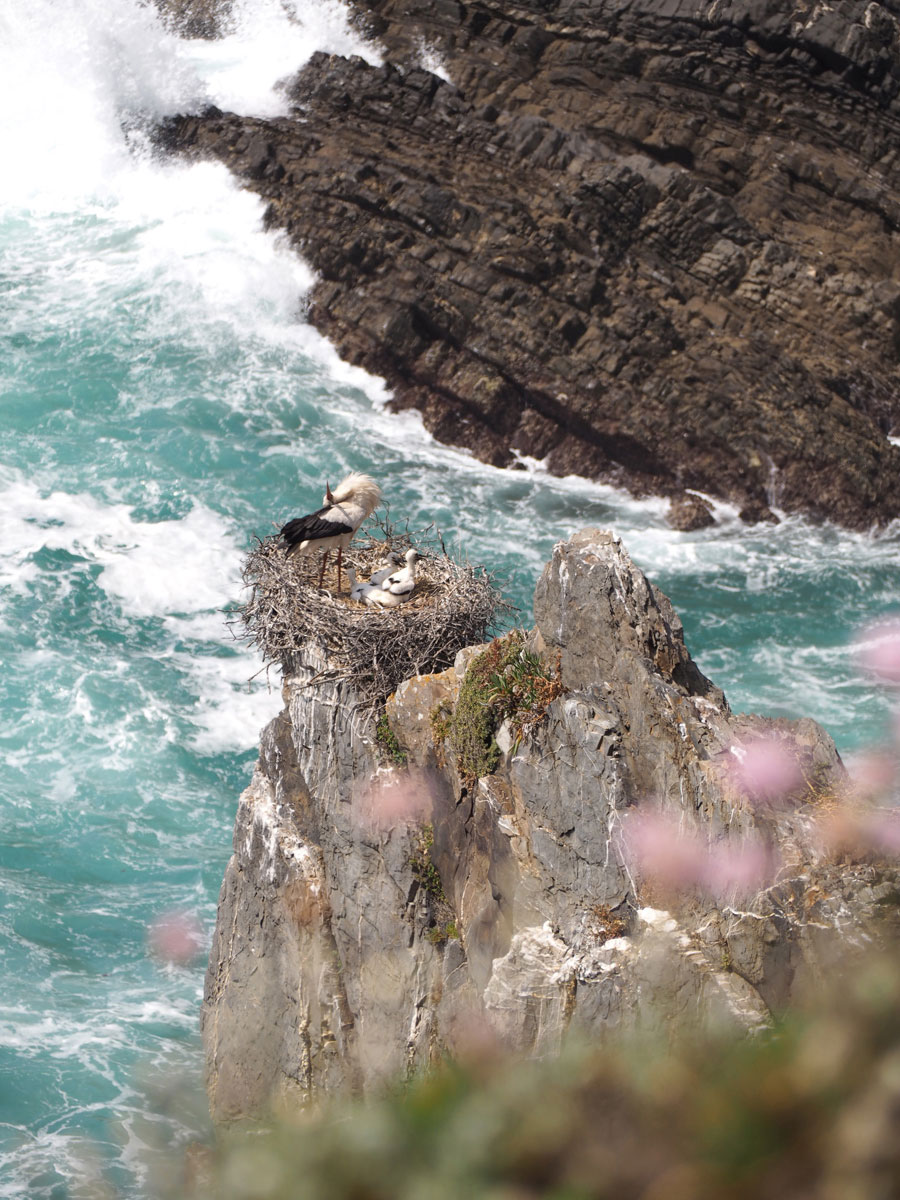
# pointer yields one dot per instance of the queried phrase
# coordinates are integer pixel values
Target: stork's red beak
(328, 495)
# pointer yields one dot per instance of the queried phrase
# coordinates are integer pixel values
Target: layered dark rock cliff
(375, 917)
(651, 242)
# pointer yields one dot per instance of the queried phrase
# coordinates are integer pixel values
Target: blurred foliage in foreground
(810, 1109)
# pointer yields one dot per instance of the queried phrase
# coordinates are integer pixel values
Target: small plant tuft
(423, 868)
(525, 688)
(441, 717)
(505, 682)
(387, 742)
(439, 935)
(442, 919)
(607, 924)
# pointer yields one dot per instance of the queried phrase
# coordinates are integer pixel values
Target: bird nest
(453, 605)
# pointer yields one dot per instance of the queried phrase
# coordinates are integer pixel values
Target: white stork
(344, 510)
(402, 582)
(393, 562)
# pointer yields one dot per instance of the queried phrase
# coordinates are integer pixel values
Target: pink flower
(661, 851)
(862, 831)
(881, 830)
(176, 937)
(393, 797)
(658, 847)
(878, 650)
(765, 768)
(744, 866)
(872, 773)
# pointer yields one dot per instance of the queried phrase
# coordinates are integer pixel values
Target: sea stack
(375, 914)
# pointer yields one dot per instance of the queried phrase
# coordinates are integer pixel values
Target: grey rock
(375, 918)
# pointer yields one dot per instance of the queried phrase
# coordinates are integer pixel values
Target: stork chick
(359, 591)
(379, 598)
(402, 582)
(367, 593)
(333, 525)
(393, 562)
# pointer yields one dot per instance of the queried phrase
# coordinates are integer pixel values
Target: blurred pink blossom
(745, 866)
(878, 650)
(882, 830)
(665, 853)
(862, 830)
(473, 1039)
(872, 773)
(176, 937)
(765, 768)
(393, 797)
(661, 850)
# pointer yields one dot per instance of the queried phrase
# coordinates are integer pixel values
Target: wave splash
(80, 81)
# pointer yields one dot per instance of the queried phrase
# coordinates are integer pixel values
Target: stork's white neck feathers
(361, 489)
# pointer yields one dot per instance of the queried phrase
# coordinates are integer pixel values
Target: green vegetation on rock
(388, 744)
(505, 682)
(423, 868)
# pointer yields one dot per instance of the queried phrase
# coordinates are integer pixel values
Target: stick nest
(454, 605)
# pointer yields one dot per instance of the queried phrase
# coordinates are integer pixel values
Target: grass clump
(474, 722)
(387, 742)
(442, 918)
(423, 868)
(439, 935)
(441, 717)
(524, 689)
(505, 682)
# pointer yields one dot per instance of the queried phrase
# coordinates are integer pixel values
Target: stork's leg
(324, 561)
(340, 550)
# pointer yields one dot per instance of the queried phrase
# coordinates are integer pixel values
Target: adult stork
(344, 510)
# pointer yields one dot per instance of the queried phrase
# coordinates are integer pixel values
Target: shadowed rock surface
(653, 243)
(374, 919)
(196, 18)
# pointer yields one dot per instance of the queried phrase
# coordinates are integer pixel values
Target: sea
(163, 402)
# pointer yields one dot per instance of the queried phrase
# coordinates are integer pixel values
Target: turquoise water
(162, 401)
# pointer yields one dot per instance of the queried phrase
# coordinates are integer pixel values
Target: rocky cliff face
(651, 242)
(375, 917)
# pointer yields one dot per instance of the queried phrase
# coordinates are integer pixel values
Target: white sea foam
(230, 711)
(151, 568)
(432, 61)
(71, 75)
(265, 41)
(46, 1162)
(183, 571)
(67, 74)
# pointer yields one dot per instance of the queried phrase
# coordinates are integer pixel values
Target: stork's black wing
(311, 528)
